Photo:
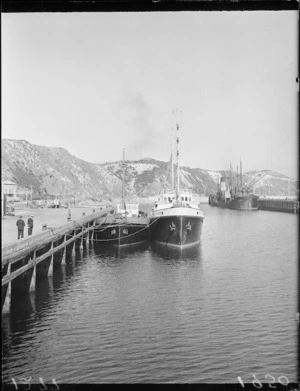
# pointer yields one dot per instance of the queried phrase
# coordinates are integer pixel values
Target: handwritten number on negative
(54, 382)
(283, 377)
(283, 380)
(272, 381)
(241, 381)
(256, 382)
(41, 380)
(26, 381)
(13, 380)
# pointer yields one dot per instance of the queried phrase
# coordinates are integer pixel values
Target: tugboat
(175, 220)
(239, 197)
(127, 225)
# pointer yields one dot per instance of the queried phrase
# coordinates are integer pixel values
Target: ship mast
(172, 164)
(177, 172)
(123, 180)
(177, 162)
(241, 175)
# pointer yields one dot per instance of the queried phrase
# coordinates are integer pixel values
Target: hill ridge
(51, 170)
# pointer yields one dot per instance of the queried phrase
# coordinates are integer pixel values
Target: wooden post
(90, 232)
(33, 277)
(90, 236)
(50, 270)
(73, 246)
(33, 280)
(63, 260)
(81, 241)
(7, 302)
(87, 237)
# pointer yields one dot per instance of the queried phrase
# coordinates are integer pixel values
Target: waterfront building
(8, 189)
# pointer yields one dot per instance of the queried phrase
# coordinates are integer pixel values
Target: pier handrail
(13, 251)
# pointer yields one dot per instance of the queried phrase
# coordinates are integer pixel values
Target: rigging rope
(127, 236)
(112, 224)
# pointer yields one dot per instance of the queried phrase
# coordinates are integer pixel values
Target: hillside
(52, 171)
(55, 170)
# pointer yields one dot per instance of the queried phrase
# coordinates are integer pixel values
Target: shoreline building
(8, 189)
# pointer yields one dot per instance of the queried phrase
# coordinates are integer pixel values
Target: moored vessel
(238, 202)
(176, 221)
(122, 229)
(127, 226)
(233, 194)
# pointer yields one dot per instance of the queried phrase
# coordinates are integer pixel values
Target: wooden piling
(50, 270)
(81, 240)
(87, 237)
(278, 205)
(32, 286)
(7, 302)
(64, 255)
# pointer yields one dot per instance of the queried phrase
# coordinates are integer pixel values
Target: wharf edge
(23, 262)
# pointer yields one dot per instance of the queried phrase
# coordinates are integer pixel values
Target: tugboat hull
(124, 233)
(175, 228)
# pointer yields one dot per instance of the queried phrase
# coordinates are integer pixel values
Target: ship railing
(186, 204)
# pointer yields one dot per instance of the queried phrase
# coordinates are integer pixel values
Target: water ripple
(152, 317)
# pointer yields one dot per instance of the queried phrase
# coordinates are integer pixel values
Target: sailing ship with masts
(233, 193)
(126, 226)
(175, 220)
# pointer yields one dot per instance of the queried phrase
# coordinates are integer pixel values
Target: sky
(95, 83)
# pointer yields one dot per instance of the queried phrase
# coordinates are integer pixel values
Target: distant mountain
(55, 170)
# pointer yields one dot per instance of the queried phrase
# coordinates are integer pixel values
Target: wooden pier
(25, 261)
(277, 205)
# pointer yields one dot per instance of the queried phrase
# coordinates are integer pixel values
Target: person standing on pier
(69, 212)
(30, 225)
(20, 224)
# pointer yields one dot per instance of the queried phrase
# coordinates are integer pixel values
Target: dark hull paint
(101, 248)
(122, 234)
(239, 203)
(169, 252)
(161, 230)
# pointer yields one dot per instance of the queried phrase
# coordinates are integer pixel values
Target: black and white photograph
(149, 198)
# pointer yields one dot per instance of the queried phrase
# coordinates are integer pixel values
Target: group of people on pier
(21, 226)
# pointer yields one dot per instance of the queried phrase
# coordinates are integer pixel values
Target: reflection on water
(154, 314)
(167, 252)
(118, 251)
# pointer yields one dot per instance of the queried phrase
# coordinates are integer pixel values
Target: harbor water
(225, 310)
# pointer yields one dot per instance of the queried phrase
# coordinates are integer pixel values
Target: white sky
(95, 83)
